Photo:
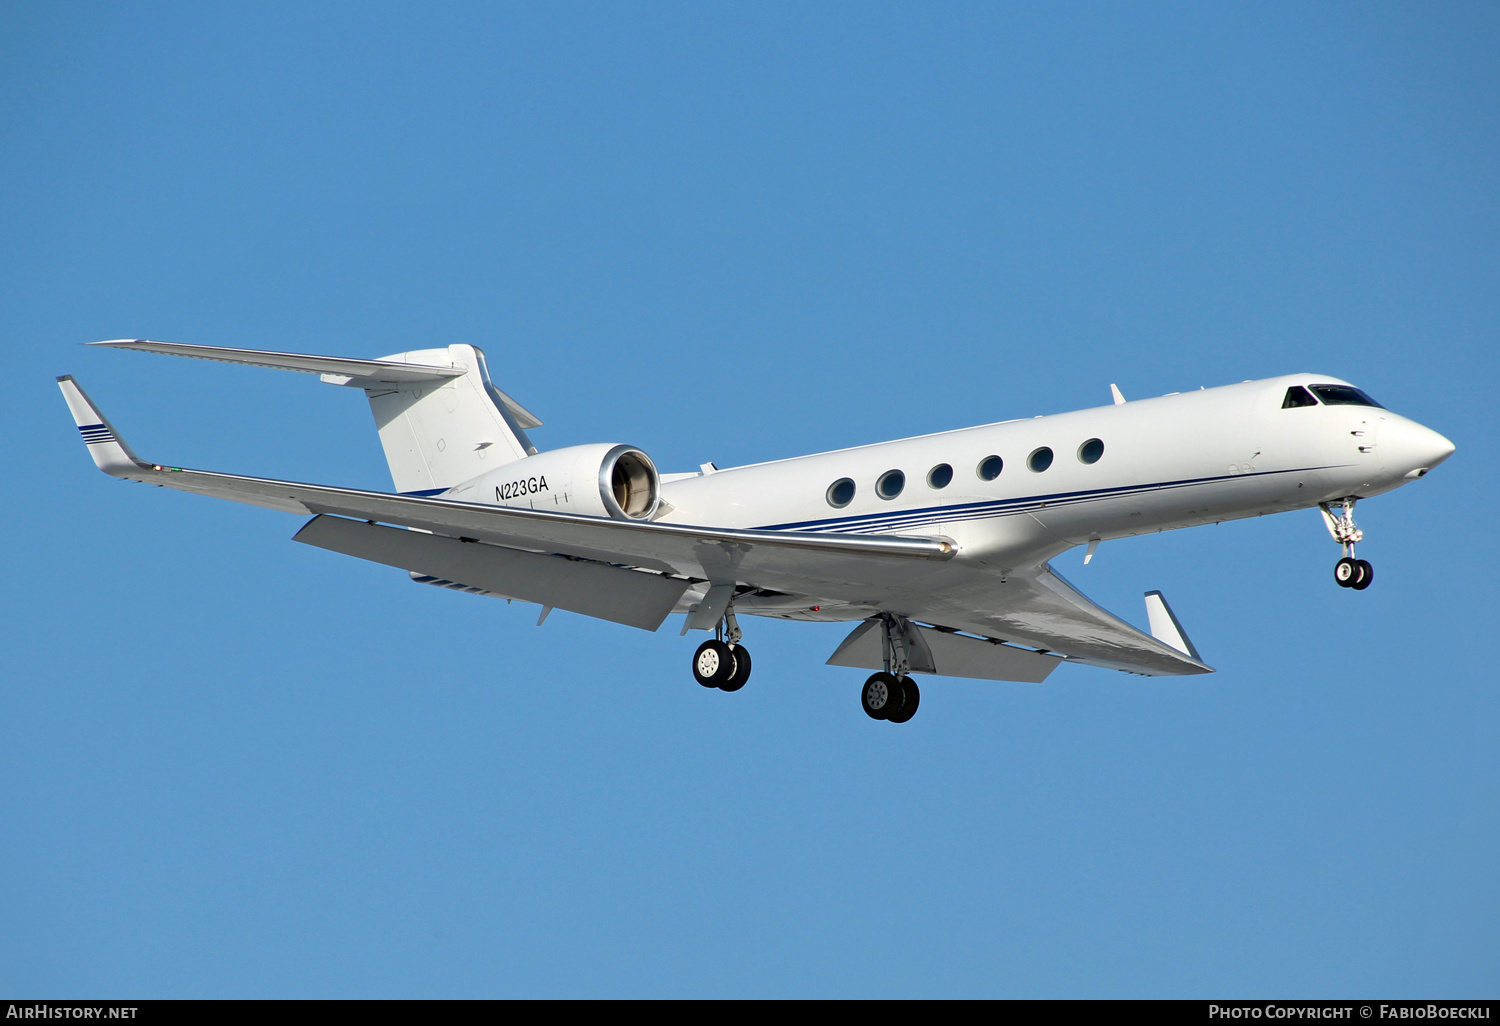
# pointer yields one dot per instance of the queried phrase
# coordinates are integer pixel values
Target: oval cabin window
(890, 484)
(841, 493)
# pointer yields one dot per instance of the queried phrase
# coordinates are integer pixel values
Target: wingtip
(117, 342)
(110, 452)
(1166, 628)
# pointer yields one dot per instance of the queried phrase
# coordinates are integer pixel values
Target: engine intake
(618, 481)
(629, 484)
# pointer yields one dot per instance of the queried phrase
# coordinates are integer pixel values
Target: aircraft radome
(936, 547)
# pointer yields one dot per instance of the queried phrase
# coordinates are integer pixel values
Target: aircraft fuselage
(1173, 461)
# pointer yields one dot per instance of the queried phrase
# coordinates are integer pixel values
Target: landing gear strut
(891, 694)
(721, 663)
(1348, 572)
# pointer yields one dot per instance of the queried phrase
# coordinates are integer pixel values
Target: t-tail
(441, 420)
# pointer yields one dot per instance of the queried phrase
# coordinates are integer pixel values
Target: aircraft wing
(1043, 611)
(793, 562)
(1038, 610)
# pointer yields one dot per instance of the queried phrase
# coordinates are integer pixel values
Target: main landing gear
(891, 694)
(1348, 572)
(886, 696)
(723, 664)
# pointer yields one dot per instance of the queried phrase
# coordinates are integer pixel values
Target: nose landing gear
(723, 664)
(1353, 573)
(1348, 572)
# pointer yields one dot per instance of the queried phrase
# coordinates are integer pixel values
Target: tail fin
(438, 435)
(441, 421)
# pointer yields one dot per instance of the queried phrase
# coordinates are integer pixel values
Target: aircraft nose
(1409, 450)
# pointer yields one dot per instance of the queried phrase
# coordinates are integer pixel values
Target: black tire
(881, 694)
(908, 707)
(741, 669)
(713, 664)
(1366, 575)
(1346, 572)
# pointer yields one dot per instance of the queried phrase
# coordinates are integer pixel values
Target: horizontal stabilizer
(954, 655)
(373, 375)
(1165, 626)
(631, 597)
(336, 370)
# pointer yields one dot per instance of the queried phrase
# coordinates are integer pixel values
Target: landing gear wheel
(741, 673)
(713, 664)
(881, 693)
(1347, 571)
(909, 707)
(1366, 575)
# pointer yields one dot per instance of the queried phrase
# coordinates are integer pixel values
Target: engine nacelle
(606, 480)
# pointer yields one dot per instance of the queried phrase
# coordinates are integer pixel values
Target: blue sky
(235, 766)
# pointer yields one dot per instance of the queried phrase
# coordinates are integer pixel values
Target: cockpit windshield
(1344, 395)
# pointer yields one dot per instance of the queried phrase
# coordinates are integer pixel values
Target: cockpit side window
(1344, 395)
(1297, 396)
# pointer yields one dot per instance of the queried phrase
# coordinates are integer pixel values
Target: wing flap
(953, 655)
(631, 597)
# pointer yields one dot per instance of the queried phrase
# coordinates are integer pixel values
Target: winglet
(1114, 390)
(1165, 626)
(109, 450)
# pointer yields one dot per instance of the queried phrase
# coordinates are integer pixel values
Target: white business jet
(937, 546)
